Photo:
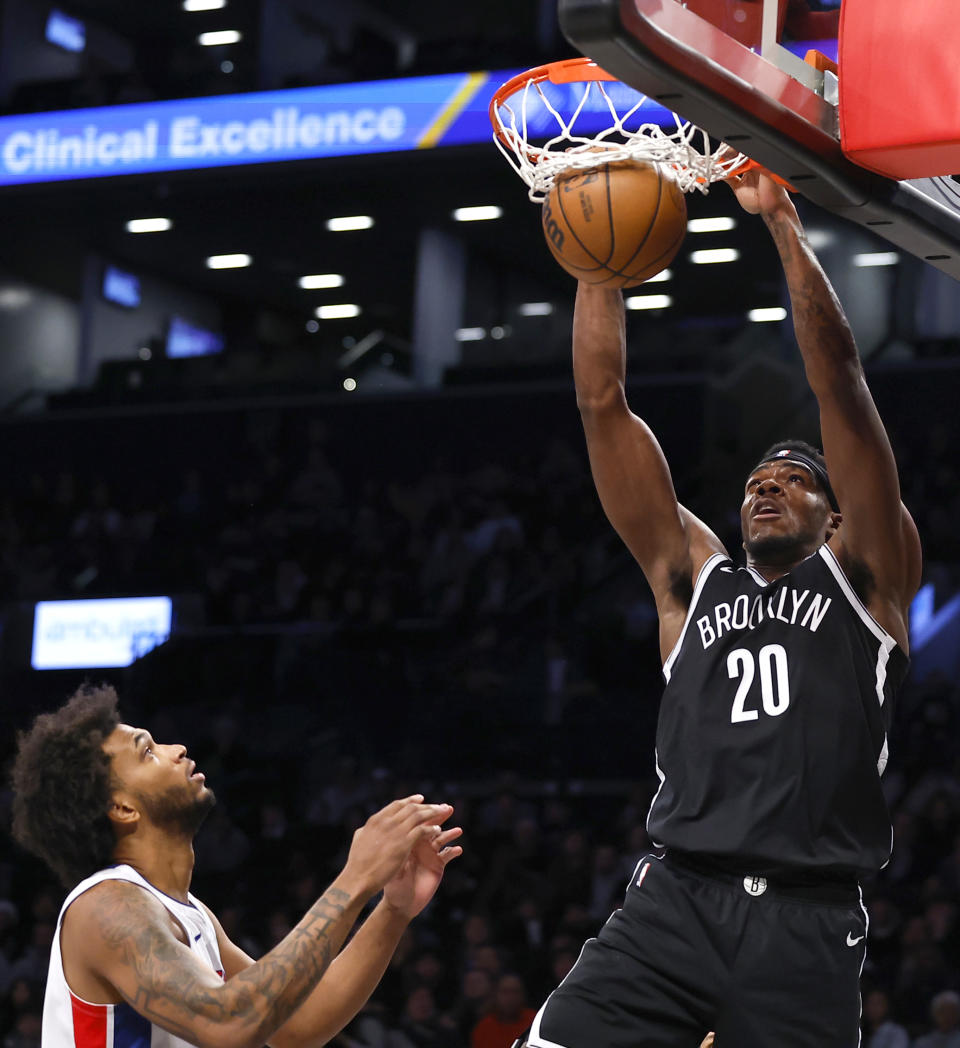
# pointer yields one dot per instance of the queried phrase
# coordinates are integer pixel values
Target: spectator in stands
(879, 1029)
(945, 1012)
(421, 1026)
(509, 1018)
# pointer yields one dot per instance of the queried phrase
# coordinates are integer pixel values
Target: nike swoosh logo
(853, 942)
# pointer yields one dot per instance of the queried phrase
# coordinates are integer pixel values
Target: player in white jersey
(137, 961)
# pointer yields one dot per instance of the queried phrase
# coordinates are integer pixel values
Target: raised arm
(629, 468)
(121, 936)
(877, 541)
(354, 973)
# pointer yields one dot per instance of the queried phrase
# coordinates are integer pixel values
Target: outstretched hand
(383, 844)
(414, 885)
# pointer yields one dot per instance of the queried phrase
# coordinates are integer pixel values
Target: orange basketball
(616, 225)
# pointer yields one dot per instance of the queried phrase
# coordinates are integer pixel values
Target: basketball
(615, 225)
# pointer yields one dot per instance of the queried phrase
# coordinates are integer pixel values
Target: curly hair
(62, 785)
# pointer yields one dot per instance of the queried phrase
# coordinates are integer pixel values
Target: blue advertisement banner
(269, 127)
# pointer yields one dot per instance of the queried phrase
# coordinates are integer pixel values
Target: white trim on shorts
(534, 1040)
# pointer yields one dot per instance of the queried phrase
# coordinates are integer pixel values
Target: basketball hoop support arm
(689, 65)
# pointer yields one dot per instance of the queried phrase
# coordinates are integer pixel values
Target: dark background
(410, 585)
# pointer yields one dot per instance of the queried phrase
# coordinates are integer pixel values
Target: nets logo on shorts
(754, 885)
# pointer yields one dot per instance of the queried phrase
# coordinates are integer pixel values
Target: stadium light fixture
(720, 224)
(229, 261)
(876, 258)
(648, 302)
(219, 37)
(340, 311)
(483, 213)
(320, 280)
(767, 314)
(149, 225)
(710, 256)
(349, 222)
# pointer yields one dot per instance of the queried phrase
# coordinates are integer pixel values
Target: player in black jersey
(772, 731)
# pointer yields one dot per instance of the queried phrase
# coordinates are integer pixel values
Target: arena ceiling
(276, 213)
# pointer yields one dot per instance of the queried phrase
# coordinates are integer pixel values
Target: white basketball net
(683, 151)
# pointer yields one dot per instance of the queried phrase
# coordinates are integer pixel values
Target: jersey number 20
(774, 681)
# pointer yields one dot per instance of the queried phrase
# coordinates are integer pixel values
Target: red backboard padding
(900, 86)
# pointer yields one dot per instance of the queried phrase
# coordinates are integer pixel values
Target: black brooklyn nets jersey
(772, 734)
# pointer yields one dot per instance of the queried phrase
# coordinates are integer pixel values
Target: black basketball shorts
(688, 953)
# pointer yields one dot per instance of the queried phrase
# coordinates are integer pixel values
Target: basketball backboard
(736, 68)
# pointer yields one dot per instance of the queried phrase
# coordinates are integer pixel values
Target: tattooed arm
(878, 538)
(122, 941)
(128, 939)
(354, 974)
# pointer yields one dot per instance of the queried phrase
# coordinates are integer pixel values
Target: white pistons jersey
(772, 734)
(69, 1022)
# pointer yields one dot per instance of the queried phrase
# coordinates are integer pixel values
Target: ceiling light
(342, 225)
(720, 224)
(648, 302)
(818, 239)
(219, 37)
(341, 311)
(664, 274)
(14, 297)
(469, 334)
(320, 280)
(149, 225)
(349, 384)
(716, 254)
(203, 5)
(535, 309)
(228, 261)
(876, 258)
(766, 314)
(477, 214)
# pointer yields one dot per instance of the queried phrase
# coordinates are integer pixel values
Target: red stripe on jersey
(89, 1024)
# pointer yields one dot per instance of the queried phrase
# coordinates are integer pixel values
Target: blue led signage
(267, 127)
(66, 32)
(121, 288)
(306, 123)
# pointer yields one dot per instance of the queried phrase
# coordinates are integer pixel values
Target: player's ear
(833, 523)
(122, 812)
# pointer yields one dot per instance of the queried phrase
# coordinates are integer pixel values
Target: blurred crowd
(545, 863)
(471, 628)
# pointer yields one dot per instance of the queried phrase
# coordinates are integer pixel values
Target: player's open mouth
(765, 510)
